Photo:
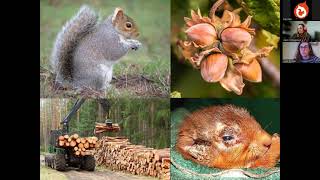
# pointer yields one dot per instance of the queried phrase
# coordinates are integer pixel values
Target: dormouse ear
(118, 13)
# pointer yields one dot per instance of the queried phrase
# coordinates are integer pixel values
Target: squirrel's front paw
(134, 44)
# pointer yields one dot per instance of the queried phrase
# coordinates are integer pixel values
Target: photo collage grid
(167, 89)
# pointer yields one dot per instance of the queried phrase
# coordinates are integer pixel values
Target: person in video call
(305, 54)
(302, 34)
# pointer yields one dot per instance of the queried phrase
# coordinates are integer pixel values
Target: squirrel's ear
(118, 13)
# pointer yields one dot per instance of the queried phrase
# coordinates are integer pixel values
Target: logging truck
(61, 157)
(67, 150)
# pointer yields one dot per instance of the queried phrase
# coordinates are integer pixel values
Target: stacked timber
(119, 154)
(80, 146)
(103, 127)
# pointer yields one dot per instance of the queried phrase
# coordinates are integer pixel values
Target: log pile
(80, 146)
(118, 153)
(103, 127)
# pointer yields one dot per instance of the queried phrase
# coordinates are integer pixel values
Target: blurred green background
(188, 81)
(265, 110)
(151, 61)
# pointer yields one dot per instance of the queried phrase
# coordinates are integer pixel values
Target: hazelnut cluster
(219, 48)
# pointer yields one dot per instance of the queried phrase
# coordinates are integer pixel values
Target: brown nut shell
(251, 72)
(202, 34)
(214, 67)
(235, 39)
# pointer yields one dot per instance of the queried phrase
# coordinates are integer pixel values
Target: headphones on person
(304, 27)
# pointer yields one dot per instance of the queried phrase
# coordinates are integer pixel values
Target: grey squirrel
(85, 50)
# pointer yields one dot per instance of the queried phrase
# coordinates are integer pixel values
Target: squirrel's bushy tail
(67, 39)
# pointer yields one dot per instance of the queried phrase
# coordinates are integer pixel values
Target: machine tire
(59, 162)
(48, 160)
(88, 163)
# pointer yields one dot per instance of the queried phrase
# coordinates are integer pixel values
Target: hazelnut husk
(232, 81)
(219, 47)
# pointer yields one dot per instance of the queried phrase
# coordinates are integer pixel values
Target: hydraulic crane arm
(105, 104)
(74, 109)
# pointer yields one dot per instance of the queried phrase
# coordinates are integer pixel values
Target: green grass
(51, 174)
(152, 18)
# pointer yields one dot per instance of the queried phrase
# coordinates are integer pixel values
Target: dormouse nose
(264, 139)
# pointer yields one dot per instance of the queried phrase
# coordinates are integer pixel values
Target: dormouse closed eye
(128, 25)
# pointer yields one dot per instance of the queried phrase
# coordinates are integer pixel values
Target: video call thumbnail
(301, 10)
(301, 31)
(301, 52)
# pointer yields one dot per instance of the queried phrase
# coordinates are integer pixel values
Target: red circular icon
(301, 10)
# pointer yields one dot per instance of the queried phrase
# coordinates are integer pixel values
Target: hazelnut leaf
(265, 12)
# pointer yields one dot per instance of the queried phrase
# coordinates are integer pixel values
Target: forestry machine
(61, 158)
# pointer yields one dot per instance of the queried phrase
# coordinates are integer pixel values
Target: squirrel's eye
(128, 25)
(227, 138)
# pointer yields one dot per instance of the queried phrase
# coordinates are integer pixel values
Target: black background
(20, 90)
(299, 102)
(286, 13)
(294, 3)
(316, 12)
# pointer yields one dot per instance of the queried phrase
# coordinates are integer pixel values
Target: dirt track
(101, 175)
(98, 174)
